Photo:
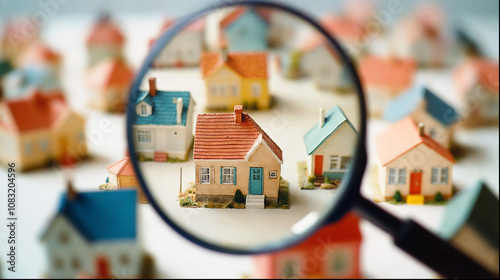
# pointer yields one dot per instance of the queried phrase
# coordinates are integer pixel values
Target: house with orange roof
(322, 256)
(121, 175)
(104, 41)
(110, 82)
(246, 28)
(14, 41)
(184, 50)
(349, 31)
(232, 152)
(40, 128)
(235, 78)
(384, 78)
(412, 163)
(476, 82)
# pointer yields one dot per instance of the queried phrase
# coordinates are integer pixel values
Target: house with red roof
(232, 152)
(413, 163)
(333, 252)
(110, 83)
(104, 41)
(476, 81)
(40, 128)
(184, 50)
(121, 175)
(235, 78)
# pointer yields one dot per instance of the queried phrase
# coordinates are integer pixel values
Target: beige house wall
(71, 137)
(421, 158)
(262, 157)
(9, 148)
(36, 148)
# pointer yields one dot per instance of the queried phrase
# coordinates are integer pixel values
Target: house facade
(411, 162)
(121, 175)
(246, 29)
(105, 41)
(322, 256)
(94, 225)
(40, 128)
(232, 152)
(330, 145)
(163, 124)
(235, 78)
(425, 107)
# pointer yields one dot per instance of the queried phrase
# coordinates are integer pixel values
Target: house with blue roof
(246, 29)
(18, 82)
(424, 106)
(93, 225)
(163, 125)
(330, 144)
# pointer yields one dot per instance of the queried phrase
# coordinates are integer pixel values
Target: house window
(124, 259)
(339, 163)
(339, 262)
(256, 90)
(433, 133)
(439, 175)
(213, 89)
(58, 263)
(228, 175)
(144, 136)
(235, 91)
(222, 90)
(205, 175)
(144, 110)
(28, 148)
(397, 176)
(64, 238)
(290, 269)
(44, 145)
(273, 174)
(75, 263)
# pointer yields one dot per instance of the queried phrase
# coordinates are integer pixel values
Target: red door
(416, 182)
(318, 165)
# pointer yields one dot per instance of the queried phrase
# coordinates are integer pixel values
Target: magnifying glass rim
(351, 182)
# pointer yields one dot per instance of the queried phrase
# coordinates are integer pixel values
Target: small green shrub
(187, 202)
(311, 179)
(230, 205)
(438, 197)
(238, 197)
(103, 187)
(327, 181)
(398, 197)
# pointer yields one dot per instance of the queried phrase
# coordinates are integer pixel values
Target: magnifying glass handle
(422, 244)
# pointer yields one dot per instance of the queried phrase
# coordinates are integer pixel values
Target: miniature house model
(476, 81)
(411, 162)
(348, 31)
(14, 39)
(235, 78)
(121, 175)
(105, 41)
(322, 256)
(40, 128)
(470, 223)
(426, 107)
(110, 82)
(91, 225)
(246, 29)
(163, 124)
(232, 152)
(330, 145)
(184, 49)
(384, 79)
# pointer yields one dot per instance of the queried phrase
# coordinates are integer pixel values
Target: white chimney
(223, 53)
(321, 117)
(179, 110)
(421, 129)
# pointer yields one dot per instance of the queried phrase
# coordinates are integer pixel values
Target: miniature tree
(438, 197)
(398, 197)
(238, 197)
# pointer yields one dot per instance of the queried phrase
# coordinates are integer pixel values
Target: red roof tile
(105, 32)
(122, 167)
(478, 70)
(264, 13)
(248, 64)
(35, 111)
(111, 73)
(403, 136)
(393, 73)
(219, 137)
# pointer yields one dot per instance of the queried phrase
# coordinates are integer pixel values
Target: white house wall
(325, 71)
(185, 47)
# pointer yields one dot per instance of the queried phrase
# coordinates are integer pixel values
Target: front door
(255, 185)
(318, 165)
(416, 182)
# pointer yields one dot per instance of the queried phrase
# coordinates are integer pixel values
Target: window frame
(144, 136)
(440, 175)
(226, 176)
(256, 90)
(396, 176)
(271, 174)
(208, 178)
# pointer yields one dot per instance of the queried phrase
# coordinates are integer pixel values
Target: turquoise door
(256, 180)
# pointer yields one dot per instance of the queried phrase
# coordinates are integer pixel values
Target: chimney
(70, 191)
(321, 117)
(179, 110)
(238, 113)
(223, 49)
(152, 86)
(421, 129)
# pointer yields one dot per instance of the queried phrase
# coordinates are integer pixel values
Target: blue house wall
(247, 33)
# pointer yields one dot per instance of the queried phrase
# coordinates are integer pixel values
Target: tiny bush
(438, 197)
(311, 179)
(398, 197)
(238, 197)
(327, 181)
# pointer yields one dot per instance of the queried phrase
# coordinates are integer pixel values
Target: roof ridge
(265, 137)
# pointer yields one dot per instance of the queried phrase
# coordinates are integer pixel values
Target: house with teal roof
(92, 225)
(246, 29)
(470, 223)
(330, 144)
(163, 125)
(426, 107)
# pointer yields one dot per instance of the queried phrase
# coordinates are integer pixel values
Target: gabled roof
(247, 65)
(35, 111)
(219, 137)
(405, 104)
(476, 206)
(122, 167)
(111, 73)
(263, 13)
(40, 54)
(105, 32)
(480, 70)
(196, 26)
(392, 73)
(164, 107)
(402, 137)
(101, 216)
(316, 135)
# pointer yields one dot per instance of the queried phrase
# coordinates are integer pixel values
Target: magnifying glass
(250, 136)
